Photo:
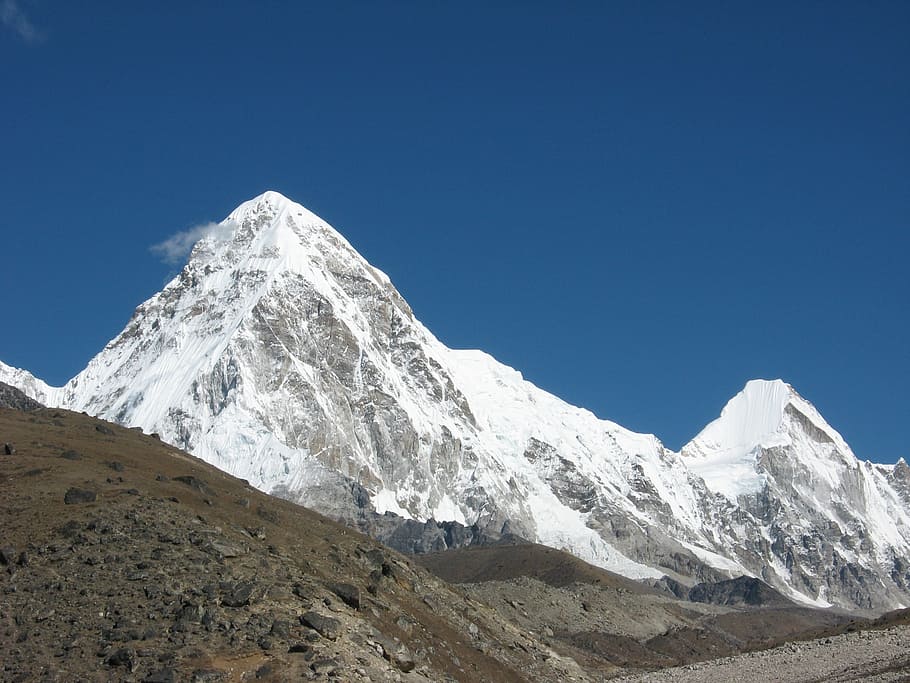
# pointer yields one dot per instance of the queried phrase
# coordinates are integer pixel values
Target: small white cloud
(12, 16)
(176, 248)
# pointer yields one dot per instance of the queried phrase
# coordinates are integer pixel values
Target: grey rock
(7, 555)
(327, 627)
(75, 496)
(348, 593)
(302, 648)
(280, 628)
(123, 657)
(238, 594)
(195, 483)
(268, 515)
(165, 675)
(325, 667)
(397, 654)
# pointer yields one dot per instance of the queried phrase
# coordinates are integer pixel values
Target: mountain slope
(124, 559)
(281, 356)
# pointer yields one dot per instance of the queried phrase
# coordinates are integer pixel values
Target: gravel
(878, 656)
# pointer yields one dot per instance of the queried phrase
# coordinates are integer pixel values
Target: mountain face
(280, 355)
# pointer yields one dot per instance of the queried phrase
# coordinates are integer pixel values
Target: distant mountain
(281, 356)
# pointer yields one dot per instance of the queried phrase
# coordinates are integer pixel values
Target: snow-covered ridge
(280, 355)
(30, 385)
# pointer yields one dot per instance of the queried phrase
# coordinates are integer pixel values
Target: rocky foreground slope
(126, 559)
(281, 356)
(123, 558)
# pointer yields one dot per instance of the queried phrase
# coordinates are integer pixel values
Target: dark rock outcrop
(11, 397)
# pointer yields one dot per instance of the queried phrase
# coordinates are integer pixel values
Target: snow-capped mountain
(280, 355)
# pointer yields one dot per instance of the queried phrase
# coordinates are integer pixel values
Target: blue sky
(639, 205)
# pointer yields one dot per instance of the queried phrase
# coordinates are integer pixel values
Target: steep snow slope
(280, 355)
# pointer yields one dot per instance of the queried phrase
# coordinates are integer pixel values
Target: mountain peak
(749, 418)
(269, 198)
(764, 415)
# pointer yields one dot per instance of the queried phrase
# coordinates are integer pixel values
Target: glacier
(280, 355)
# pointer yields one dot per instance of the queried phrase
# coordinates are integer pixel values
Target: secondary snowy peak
(753, 417)
(764, 415)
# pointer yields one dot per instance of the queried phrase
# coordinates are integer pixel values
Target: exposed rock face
(11, 397)
(281, 356)
(743, 590)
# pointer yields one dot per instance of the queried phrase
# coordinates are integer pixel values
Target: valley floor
(875, 655)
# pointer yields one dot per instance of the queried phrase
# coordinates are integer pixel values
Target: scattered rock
(397, 654)
(280, 629)
(71, 455)
(75, 495)
(325, 667)
(7, 554)
(189, 613)
(238, 594)
(266, 670)
(327, 627)
(9, 449)
(195, 483)
(165, 675)
(116, 466)
(223, 549)
(267, 515)
(104, 429)
(299, 648)
(124, 657)
(349, 594)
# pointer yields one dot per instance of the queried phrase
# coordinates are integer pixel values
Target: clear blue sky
(640, 205)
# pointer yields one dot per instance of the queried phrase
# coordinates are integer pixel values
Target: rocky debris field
(610, 624)
(122, 558)
(879, 656)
